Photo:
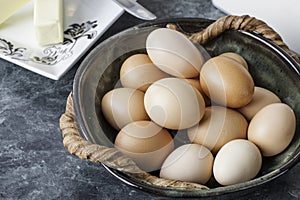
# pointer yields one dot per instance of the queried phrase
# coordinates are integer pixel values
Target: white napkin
(282, 15)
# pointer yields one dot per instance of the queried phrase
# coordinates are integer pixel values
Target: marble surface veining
(33, 162)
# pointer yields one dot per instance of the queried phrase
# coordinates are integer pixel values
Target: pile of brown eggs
(231, 123)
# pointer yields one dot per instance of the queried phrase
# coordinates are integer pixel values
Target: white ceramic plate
(84, 22)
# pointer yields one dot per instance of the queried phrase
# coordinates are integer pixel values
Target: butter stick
(9, 7)
(48, 21)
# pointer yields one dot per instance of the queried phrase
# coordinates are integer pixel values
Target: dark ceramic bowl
(270, 66)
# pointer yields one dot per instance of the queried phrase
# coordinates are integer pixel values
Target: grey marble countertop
(33, 162)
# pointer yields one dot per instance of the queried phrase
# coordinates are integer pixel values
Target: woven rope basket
(78, 146)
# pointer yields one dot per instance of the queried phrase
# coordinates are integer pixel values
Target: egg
(139, 72)
(174, 53)
(174, 104)
(189, 162)
(237, 161)
(145, 143)
(196, 83)
(121, 106)
(236, 57)
(272, 128)
(261, 98)
(218, 126)
(226, 82)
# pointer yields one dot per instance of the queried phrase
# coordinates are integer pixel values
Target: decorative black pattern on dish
(8, 49)
(51, 55)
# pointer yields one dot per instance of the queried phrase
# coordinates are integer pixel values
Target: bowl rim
(179, 192)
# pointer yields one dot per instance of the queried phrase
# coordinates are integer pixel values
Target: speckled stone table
(33, 162)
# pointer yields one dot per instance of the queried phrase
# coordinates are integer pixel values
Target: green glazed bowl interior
(269, 65)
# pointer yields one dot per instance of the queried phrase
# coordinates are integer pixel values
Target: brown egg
(272, 128)
(218, 126)
(236, 57)
(174, 53)
(189, 162)
(139, 72)
(122, 106)
(261, 98)
(174, 104)
(226, 82)
(146, 143)
(196, 84)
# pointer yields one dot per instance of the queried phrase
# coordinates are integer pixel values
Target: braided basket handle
(83, 149)
(245, 23)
